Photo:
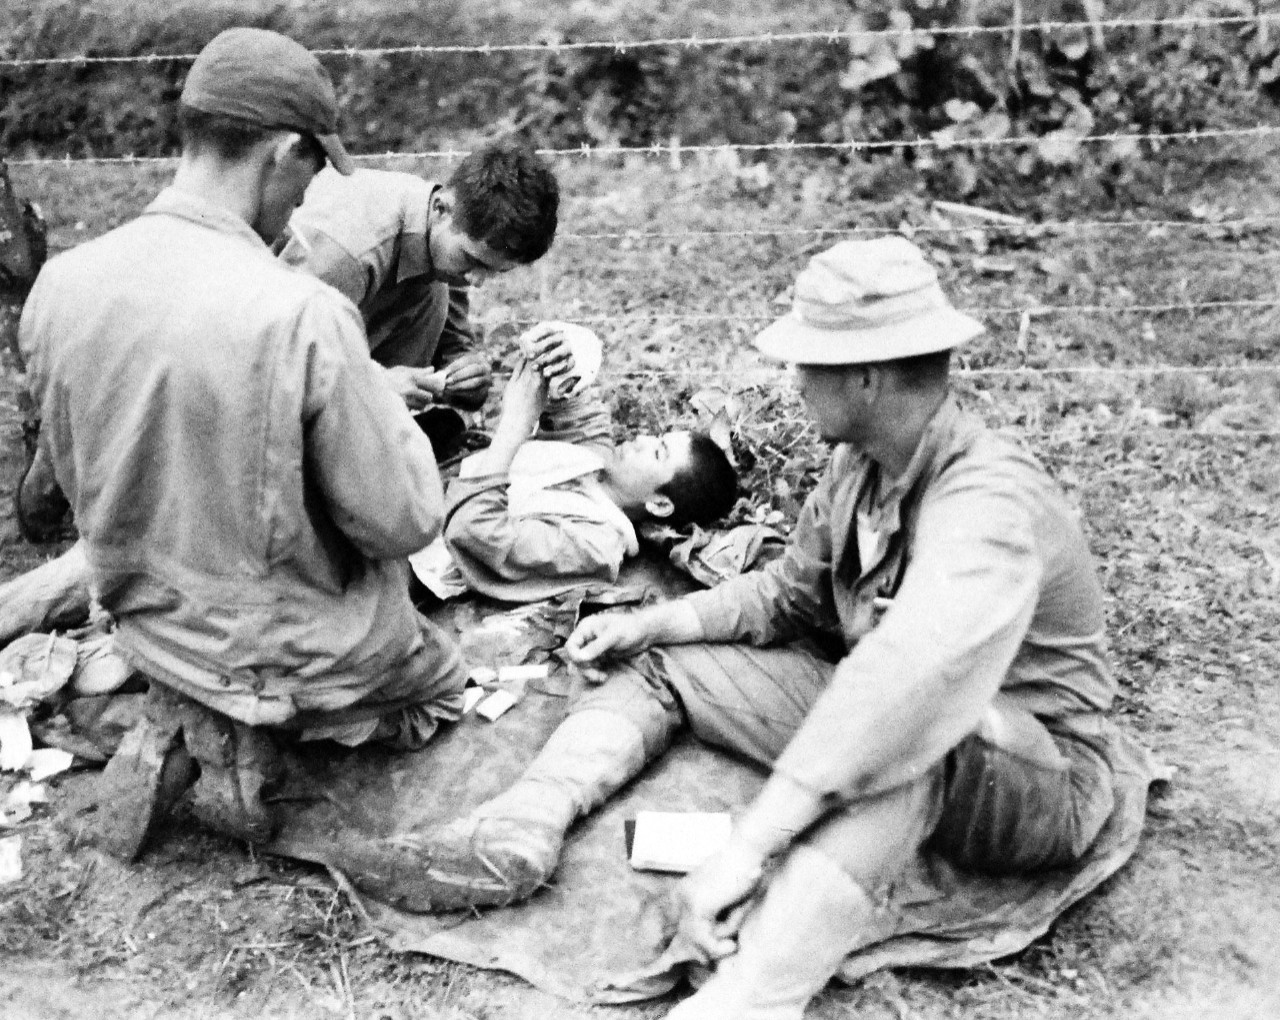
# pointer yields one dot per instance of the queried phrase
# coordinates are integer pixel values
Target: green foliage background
(1063, 83)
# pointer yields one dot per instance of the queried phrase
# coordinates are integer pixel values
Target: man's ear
(659, 505)
(441, 205)
(288, 145)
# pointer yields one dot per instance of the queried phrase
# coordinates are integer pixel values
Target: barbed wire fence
(990, 223)
(833, 36)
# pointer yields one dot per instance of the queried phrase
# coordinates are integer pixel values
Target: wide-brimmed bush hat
(865, 301)
(268, 79)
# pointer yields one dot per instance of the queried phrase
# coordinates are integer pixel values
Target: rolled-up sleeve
(913, 687)
(372, 464)
(582, 420)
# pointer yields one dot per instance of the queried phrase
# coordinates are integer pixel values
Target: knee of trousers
(1006, 814)
(636, 691)
(873, 840)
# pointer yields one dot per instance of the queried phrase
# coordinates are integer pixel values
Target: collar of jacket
(187, 206)
(414, 257)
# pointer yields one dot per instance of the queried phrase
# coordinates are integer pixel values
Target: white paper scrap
(515, 674)
(677, 841)
(471, 697)
(434, 567)
(26, 792)
(15, 741)
(17, 806)
(495, 704)
(10, 859)
(482, 675)
(48, 761)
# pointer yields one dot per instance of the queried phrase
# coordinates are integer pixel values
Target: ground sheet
(600, 931)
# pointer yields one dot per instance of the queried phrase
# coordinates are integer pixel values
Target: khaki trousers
(1019, 794)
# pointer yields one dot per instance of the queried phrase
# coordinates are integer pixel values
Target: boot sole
(420, 880)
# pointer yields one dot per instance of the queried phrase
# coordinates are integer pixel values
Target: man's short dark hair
(705, 489)
(228, 137)
(506, 197)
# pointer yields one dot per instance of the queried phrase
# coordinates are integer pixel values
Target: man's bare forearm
(670, 623)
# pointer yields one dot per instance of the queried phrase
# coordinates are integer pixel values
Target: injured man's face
(643, 465)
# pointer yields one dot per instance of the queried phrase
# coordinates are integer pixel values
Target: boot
(143, 780)
(812, 915)
(508, 847)
(238, 765)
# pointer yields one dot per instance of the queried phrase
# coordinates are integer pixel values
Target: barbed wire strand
(978, 224)
(1034, 311)
(1071, 431)
(1146, 432)
(832, 36)
(1051, 227)
(1128, 371)
(851, 146)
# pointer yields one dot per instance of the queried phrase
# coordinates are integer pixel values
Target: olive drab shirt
(546, 526)
(966, 577)
(245, 483)
(368, 235)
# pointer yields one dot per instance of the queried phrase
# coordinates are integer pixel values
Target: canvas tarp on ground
(598, 932)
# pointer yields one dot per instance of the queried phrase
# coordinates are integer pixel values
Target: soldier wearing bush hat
(867, 301)
(245, 484)
(963, 720)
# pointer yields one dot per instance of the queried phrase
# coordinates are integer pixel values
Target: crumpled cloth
(710, 557)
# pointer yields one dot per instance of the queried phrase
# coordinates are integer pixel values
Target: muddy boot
(238, 764)
(42, 511)
(143, 780)
(508, 847)
(812, 915)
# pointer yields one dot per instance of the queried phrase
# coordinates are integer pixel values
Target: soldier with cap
(245, 483)
(923, 670)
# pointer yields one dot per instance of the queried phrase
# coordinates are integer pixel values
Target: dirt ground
(1176, 474)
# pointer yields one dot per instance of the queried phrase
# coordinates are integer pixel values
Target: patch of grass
(1183, 522)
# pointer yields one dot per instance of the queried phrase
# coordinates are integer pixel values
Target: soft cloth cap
(267, 79)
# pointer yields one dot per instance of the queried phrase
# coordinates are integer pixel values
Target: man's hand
(607, 634)
(547, 350)
(467, 380)
(418, 387)
(523, 402)
(625, 633)
(714, 899)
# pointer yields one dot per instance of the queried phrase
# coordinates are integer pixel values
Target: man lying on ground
(553, 504)
(404, 250)
(246, 484)
(964, 712)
